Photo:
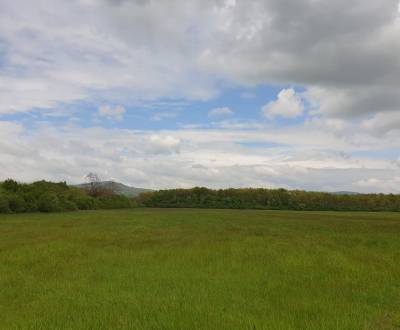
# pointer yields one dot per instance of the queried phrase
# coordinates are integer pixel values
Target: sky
(298, 94)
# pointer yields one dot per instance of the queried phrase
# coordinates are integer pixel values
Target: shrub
(4, 204)
(48, 202)
(114, 202)
(16, 203)
(68, 205)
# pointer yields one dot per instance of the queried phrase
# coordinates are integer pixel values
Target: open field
(200, 269)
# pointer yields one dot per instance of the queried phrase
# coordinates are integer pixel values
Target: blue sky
(221, 94)
(244, 103)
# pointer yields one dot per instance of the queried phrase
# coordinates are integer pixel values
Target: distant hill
(345, 193)
(118, 188)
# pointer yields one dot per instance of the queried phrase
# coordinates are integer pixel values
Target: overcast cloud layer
(333, 124)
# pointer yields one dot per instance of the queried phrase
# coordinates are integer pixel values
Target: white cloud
(222, 111)
(57, 52)
(163, 115)
(160, 144)
(388, 185)
(306, 43)
(288, 105)
(382, 123)
(116, 113)
(9, 129)
(297, 157)
(369, 183)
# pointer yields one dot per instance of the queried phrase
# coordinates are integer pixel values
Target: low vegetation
(200, 269)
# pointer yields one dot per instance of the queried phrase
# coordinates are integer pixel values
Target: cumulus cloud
(346, 53)
(222, 111)
(288, 105)
(116, 113)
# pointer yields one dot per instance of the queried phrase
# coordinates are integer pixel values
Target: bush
(4, 204)
(86, 203)
(48, 202)
(115, 202)
(16, 203)
(67, 205)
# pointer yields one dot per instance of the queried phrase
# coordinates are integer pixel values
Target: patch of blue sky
(165, 114)
(245, 104)
(62, 114)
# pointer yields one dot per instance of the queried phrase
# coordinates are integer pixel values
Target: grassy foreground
(200, 269)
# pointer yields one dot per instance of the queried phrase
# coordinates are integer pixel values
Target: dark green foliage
(10, 185)
(4, 204)
(273, 199)
(48, 202)
(81, 199)
(46, 196)
(16, 202)
(114, 202)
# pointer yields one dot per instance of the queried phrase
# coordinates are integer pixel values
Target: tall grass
(200, 269)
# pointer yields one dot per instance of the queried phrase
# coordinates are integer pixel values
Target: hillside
(118, 188)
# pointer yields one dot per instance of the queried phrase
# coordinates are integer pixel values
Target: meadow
(200, 269)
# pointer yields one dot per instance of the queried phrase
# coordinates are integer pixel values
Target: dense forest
(273, 199)
(43, 196)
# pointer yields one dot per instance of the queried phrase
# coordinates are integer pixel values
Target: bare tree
(93, 179)
(94, 183)
(95, 188)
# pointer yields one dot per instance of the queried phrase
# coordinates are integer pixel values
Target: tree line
(269, 199)
(43, 196)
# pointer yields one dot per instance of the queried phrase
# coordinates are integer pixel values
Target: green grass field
(200, 269)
